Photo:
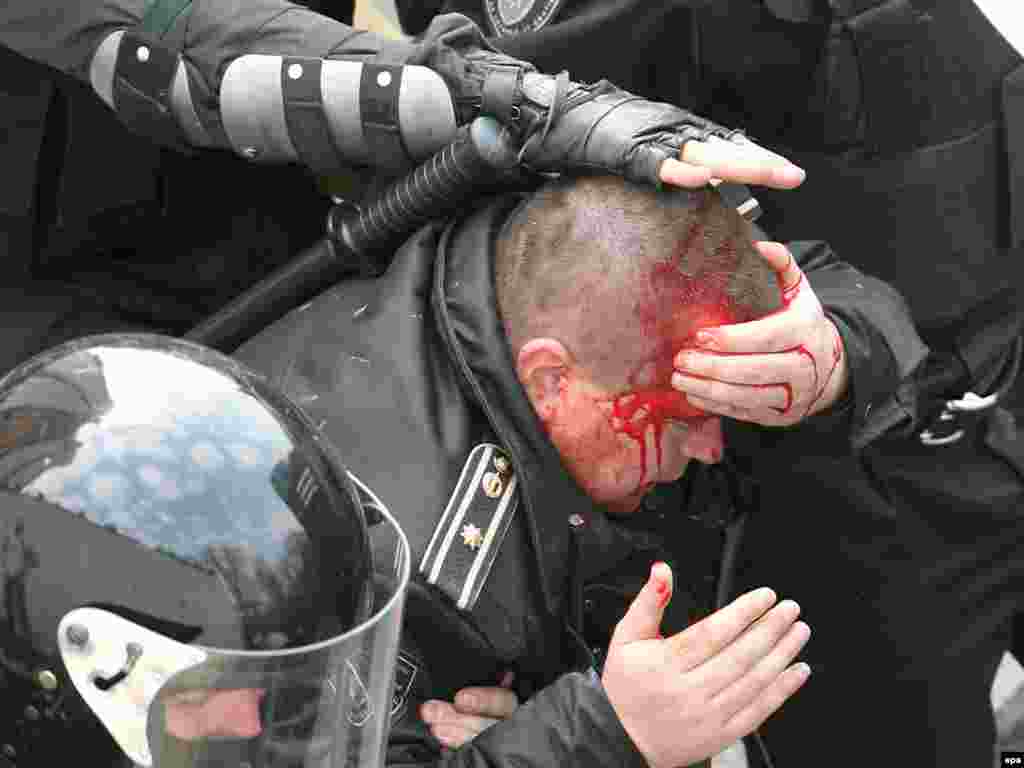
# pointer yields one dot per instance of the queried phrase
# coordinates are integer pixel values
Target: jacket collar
(466, 307)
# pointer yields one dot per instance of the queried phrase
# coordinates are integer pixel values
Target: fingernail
(661, 586)
(803, 669)
(686, 359)
(661, 580)
(678, 381)
(790, 606)
(793, 175)
(706, 338)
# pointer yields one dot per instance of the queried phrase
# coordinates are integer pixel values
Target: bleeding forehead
(671, 306)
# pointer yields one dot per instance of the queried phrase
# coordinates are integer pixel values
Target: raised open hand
(685, 698)
(681, 699)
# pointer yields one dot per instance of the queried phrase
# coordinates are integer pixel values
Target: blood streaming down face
(729, 285)
(626, 276)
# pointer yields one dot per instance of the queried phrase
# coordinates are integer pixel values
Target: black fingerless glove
(601, 127)
(562, 125)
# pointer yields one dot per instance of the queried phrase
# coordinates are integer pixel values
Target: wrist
(837, 373)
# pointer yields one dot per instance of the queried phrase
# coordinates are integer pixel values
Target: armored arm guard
(268, 79)
(275, 81)
(325, 113)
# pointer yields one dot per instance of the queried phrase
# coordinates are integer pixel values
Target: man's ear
(543, 367)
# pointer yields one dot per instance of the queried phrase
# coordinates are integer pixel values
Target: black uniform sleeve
(569, 724)
(881, 343)
(207, 34)
(210, 33)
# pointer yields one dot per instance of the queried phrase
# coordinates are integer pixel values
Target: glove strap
(379, 89)
(304, 114)
(145, 71)
(557, 106)
(502, 93)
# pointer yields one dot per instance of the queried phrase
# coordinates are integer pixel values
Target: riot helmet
(190, 575)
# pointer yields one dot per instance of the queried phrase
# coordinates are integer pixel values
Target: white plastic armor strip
(252, 109)
(107, 647)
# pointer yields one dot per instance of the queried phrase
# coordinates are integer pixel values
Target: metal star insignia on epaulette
(469, 534)
(472, 537)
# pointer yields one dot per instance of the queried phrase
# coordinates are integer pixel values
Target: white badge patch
(509, 17)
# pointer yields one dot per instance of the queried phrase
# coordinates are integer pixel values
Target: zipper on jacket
(574, 593)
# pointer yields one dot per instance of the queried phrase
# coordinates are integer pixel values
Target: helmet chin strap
(118, 667)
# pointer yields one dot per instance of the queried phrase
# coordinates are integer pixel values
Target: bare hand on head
(685, 698)
(738, 160)
(472, 711)
(774, 371)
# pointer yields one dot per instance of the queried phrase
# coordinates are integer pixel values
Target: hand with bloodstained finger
(472, 711)
(774, 371)
(681, 699)
(685, 698)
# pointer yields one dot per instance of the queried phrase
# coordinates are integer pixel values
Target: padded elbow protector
(328, 115)
(331, 114)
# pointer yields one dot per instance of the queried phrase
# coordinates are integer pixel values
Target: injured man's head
(600, 283)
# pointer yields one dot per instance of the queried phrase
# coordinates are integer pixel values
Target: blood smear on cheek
(635, 413)
(672, 307)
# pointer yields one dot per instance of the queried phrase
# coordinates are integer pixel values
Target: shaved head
(623, 275)
(600, 284)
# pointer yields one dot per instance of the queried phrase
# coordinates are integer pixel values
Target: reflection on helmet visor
(324, 706)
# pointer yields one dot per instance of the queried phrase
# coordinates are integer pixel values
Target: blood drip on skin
(672, 309)
(790, 292)
(662, 590)
(789, 295)
(635, 413)
(837, 355)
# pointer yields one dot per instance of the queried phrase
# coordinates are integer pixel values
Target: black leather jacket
(409, 375)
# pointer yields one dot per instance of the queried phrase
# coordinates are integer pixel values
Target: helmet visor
(321, 705)
(172, 705)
